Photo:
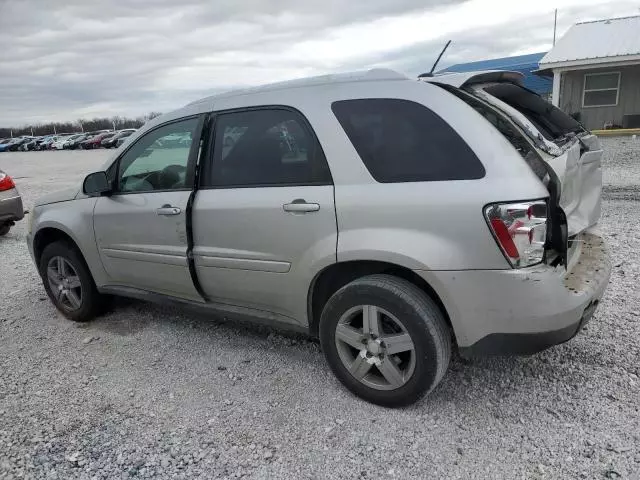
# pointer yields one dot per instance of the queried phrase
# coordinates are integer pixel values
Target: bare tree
(82, 124)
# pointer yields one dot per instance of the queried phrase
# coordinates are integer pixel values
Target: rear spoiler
(465, 79)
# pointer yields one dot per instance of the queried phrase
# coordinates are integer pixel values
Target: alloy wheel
(64, 283)
(375, 347)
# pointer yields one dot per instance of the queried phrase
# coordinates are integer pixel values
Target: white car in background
(59, 143)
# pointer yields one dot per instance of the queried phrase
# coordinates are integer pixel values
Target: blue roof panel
(525, 64)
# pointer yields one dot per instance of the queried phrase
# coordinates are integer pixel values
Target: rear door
(141, 229)
(264, 217)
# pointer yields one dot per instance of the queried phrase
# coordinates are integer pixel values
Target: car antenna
(435, 64)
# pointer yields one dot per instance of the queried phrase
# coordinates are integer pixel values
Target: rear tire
(4, 229)
(68, 282)
(390, 334)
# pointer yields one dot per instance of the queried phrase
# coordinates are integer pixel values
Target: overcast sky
(67, 59)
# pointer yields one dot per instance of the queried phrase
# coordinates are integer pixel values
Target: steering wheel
(172, 176)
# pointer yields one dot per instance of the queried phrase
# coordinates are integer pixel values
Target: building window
(601, 89)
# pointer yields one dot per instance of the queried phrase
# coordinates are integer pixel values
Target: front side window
(601, 89)
(158, 160)
(265, 147)
(403, 141)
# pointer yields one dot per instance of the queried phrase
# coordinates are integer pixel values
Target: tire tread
(95, 301)
(423, 305)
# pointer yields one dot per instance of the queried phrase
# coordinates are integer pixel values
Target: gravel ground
(146, 391)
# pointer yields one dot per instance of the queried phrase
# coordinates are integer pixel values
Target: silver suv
(394, 218)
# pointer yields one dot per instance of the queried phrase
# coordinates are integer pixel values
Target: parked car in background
(113, 141)
(70, 139)
(122, 139)
(95, 140)
(175, 141)
(47, 142)
(30, 145)
(11, 209)
(75, 142)
(84, 144)
(106, 137)
(18, 145)
(13, 144)
(398, 219)
(60, 142)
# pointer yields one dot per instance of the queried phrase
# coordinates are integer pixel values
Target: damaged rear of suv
(552, 243)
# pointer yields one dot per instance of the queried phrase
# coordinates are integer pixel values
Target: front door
(141, 229)
(263, 218)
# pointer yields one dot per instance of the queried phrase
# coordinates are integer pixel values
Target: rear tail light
(520, 230)
(6, 182)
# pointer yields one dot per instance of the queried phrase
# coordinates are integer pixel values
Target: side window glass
(265, 148)
(404, 141)
(158, 160)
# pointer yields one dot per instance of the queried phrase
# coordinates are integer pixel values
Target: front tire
(385, 340)
(68, 282)
(4, 229)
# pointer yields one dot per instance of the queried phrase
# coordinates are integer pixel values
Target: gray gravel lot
(147, 391)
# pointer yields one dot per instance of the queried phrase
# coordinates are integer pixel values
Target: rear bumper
(11, 209)
(524, 311)
(527, 343)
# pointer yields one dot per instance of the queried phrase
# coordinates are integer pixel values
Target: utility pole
(555, 25)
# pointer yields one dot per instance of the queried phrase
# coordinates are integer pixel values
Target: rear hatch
(570, 154)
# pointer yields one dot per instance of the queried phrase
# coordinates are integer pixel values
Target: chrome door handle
(168, 210)
(301, 206)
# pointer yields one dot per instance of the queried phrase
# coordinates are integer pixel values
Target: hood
(59, 196)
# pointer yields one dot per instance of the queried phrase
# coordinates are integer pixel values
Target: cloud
(62, 60)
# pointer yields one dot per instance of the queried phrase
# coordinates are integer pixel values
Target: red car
(94, 142)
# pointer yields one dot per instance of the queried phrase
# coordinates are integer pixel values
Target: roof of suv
(256, 95)
(373, 75)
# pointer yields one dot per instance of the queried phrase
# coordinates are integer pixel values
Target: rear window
(552, 122)
(515, 138)
(403, 141)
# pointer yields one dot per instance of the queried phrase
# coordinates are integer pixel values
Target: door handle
(300, 205)
(168, 210)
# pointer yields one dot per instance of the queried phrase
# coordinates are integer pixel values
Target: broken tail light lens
(6, 182)
(520, 230)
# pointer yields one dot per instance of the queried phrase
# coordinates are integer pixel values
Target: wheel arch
(335, 276)
(48, 235)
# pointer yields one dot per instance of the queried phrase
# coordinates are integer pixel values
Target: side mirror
(96, 184)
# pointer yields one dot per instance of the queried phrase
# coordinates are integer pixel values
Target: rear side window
(265, 147)
(515, 138)
(403, 141)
